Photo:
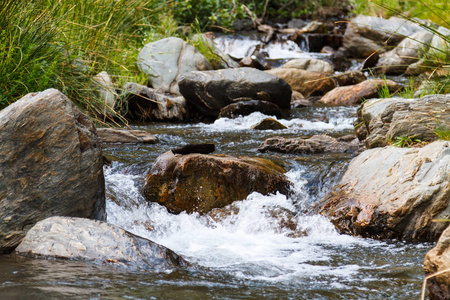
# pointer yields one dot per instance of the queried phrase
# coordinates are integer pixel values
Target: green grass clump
(404, 141)
(443, 132)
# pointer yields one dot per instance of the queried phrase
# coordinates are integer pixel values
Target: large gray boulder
(97, 242)
(408, 51)
(202, 182)
(145, 104)
(50, 164)
(365, 34)
(383, 120)
(167, 60)
(393, 193)
(437, 268)
(210, 91)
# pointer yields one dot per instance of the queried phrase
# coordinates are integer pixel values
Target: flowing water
(265, 247)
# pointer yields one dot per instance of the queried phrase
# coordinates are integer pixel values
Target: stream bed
(248, 254)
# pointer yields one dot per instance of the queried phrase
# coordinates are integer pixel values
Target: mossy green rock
(202, 182)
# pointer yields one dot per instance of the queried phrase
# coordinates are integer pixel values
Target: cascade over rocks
(98, 242)
(306, 82)
(437, 260)
(366, 35)
(50, 164)
(202, 182)
(381, 120)
(317, 144)
(144, 104)
(167, 60)
(210, 91)
(393, 193)
(354, 94)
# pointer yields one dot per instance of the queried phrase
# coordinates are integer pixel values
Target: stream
(266, 248)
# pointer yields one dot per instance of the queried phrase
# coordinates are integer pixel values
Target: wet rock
(258, 60)
(269, 124)
(201, 182)
(387, 119)
(145, 104)
(245, 108)
(167, 60)
(366, 35)
(317, 144)
(210, 91)
(306, 82)
(297, 96)
(116, 135)
(223, 60)
(355, 94)
(50, 164)
(97, 242)
(310, 64)
(338, 58)
(317, 41)
(194, 148)
(350, 78)
(438, 260)
(393, 193)
(107, 93)
(407, 52)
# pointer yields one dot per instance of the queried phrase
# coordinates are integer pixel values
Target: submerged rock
(201, 182)
(393, 193)
(384, 120)
(167, 60)
(269, 124)
(98, 242)
(306, 82)
(210, 91)
(50, 164)
(438, 260)
(116, 135)
(355, 94)
(317, 144)
(144, 104)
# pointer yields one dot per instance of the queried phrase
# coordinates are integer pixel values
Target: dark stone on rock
(50, 164)
(245, 108)
(194, 148)
(317, 41)
(116, 135)
(201, 182)
(269, 124)
(371, 61)
(210, 91)
(436, 261)
(144, 104)
(97, 242)
(317, 144)
(387, 119)
(393, 192)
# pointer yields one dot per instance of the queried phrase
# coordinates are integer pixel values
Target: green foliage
(408, 90)
(443, 132)
(404, 141)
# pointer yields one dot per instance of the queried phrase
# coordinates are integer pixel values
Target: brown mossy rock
(393, 193)
(438, 260)
(50, 164)
(355, 94)
(317, 144)
(202, 182)
(305, 82)
(269, 124)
